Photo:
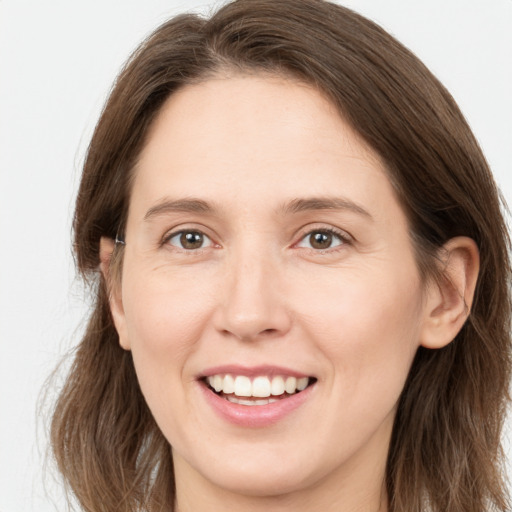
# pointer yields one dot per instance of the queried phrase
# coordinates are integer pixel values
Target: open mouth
(262, 390)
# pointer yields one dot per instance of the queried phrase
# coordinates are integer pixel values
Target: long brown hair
(445, 452)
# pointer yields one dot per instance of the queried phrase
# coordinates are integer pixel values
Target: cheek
(367, 324)
(165, 317)
(165, 314)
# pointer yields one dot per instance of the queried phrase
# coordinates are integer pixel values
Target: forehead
(270, 109)
(252, 137)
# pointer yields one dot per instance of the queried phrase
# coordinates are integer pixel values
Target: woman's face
(266, 251)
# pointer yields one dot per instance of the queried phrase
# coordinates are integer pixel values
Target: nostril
(248, 336)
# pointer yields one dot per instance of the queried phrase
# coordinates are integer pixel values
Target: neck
(369, 501)
(357, 486)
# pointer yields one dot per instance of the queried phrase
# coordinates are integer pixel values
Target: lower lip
(255, 416)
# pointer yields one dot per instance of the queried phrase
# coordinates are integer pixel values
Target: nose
(253, 301)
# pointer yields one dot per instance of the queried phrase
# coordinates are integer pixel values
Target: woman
(296, 239)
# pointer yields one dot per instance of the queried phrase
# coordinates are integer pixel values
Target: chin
(260, 481)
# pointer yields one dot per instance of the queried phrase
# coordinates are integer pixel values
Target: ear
(107, 246)
(448, 303)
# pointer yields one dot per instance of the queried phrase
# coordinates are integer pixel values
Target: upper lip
(252, 371)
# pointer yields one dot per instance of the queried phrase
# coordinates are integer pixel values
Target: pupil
(321, 240)
(191, 240)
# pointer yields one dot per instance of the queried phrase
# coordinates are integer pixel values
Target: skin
(257, 293)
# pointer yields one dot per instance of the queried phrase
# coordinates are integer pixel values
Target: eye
(323, 239)
(189, 240)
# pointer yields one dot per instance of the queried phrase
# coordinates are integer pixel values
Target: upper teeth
(261, 387)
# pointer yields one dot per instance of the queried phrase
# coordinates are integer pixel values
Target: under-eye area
(261, 390)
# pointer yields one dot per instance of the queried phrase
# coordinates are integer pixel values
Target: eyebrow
(324, 203)
(180, 205)
(193, 205)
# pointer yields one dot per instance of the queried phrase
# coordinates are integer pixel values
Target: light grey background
(57, 62)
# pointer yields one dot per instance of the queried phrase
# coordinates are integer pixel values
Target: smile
(257, 391)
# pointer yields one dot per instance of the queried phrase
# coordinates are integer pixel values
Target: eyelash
(343, 238)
